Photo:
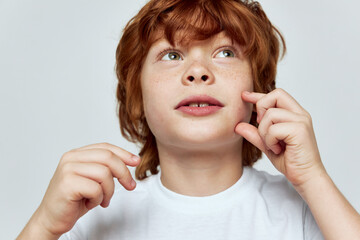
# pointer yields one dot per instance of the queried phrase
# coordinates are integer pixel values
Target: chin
(196, 133)
(204, 138)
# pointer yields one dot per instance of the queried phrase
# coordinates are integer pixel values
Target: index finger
(277, 98)
(104, 157)
(127, 157)
(252, 97)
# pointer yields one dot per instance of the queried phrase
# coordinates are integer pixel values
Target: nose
(198, 73)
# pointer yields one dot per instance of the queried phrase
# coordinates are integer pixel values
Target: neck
(200, 172)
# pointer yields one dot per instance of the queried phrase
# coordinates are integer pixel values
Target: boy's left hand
(285, 134)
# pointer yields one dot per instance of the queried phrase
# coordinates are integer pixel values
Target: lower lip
(199, 111)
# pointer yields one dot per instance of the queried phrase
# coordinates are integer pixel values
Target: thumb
(251, 134)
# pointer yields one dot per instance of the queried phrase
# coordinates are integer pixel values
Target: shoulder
(275, 189)
(269, 182)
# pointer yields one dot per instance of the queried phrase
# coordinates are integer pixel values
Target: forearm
(335, 216)
(35, 230)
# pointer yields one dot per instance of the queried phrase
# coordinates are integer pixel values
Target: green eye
(171, 56)
(225, 53)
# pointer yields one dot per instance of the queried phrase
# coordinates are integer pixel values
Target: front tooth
(203, 104)
(193, 105)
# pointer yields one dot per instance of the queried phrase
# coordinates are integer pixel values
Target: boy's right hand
(83, 180)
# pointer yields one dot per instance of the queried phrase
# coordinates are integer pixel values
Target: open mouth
(199, 105)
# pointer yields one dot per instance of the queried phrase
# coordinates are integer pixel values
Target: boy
(197, 90)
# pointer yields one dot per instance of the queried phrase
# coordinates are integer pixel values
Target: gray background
(57, 88)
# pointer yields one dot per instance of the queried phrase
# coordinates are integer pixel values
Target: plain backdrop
(57, 88)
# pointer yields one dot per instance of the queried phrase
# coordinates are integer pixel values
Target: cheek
(151, 99)
(156, 101)
(244, 112)
(242, 81)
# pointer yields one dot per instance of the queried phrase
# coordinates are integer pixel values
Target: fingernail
(107, 204)
(246, 92)
(133, 183)
(135, 158)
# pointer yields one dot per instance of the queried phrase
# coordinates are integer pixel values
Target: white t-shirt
(257, 206)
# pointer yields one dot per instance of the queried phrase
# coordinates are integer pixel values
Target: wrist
(332, 212)
(35, 229)
(316, 182)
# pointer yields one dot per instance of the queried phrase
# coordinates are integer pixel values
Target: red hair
(180, 21)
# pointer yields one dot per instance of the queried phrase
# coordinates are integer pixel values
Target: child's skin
(200, 156)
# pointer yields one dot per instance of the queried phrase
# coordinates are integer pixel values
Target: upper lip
(199, 99)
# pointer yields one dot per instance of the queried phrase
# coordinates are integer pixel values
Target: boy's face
(214, 67)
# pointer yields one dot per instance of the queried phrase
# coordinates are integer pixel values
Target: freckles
(242, 110)
(227, 74)
(156, 80)
(237, 78)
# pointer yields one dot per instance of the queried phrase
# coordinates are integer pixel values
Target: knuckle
(105, 172)
(67, 168)
(107, 154)
(267, 140)
(67, 156)
(271, 130)
(308, 116)
(97, 190)
(110, 193)
(261, 130)
(258, 106)
(279, 90)
(104, 144)
(269, 112)
(306, 119)
(67, 183)
(125, 173)
(122, 173)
